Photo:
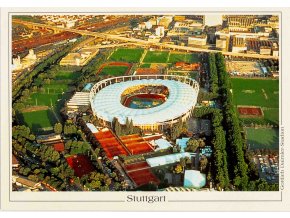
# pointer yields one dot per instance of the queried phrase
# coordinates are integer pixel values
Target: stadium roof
(168, 159)
(107, 102)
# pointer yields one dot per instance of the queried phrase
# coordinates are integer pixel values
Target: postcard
(144, 109)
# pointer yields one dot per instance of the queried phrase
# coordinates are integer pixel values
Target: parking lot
(268, 167)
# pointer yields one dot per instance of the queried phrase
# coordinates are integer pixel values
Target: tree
(178, 169)
(203, 163)
(58, 128)
(182, 162)
(133, 23)
(193, 144)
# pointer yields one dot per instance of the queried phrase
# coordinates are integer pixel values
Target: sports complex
(151, 102)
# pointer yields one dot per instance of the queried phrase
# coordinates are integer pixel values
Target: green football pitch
(37, 120)
(156, 57)
(113, 71)
(66, 75)
(262, 138)
(258, 92)
(183, 57)
(127, 55)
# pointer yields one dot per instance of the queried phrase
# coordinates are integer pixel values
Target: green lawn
(183, 57)
(66, 75)
(262, 138)
(156, 57)
(127, 55)
(258, 92)
(113, 71)
(250, 92)
(145, 65)
(37, 99)
(37, 120)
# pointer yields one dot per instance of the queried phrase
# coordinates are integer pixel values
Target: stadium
(151, 102)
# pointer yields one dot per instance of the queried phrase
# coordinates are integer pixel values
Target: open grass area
(37, 120)
(147, 65)
(258, 92)
(127, 55)
(156, 57)
(66, 75)
(183, 57)
(37, 99)
(263, 138)
(113, 71)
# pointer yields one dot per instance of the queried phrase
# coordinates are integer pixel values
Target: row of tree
(126, 129)
(238, 168)
(219, 167)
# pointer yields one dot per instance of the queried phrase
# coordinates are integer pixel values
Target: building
(27, 183)
(213, 20)
(239, 45)
(197, 40)
(15, 163)
(194, 179)
(80, 57)
(179, 18)
(106, 105)
(222, 42)
(159, 31)
(265, 50)
(275, 52)
(80, 100)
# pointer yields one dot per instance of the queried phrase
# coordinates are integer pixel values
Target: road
(107, 36)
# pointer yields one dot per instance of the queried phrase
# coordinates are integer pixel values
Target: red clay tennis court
(141, 174)
(135, 166)
(80, 164)
(110, 144)
(250, 111)
(136, 144)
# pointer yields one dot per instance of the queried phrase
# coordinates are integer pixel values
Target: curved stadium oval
(155, 101)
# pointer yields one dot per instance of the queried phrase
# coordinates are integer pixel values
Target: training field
(113, 71)
(127, 55)
(66, 75)
(262, 138)
(258, 92)
(183, 57)
(37, 120)
(156, 57)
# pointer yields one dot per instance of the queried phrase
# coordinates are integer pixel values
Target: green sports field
(183, 57)
(113, 71)
(66, 75)
(127, 55)
(156, 57)
(147, 65)
(263, 138)
(36, 120)
(258, 92)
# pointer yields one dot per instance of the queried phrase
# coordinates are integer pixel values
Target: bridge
(141, 42)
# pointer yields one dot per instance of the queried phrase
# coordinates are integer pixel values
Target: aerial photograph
(153, 102)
